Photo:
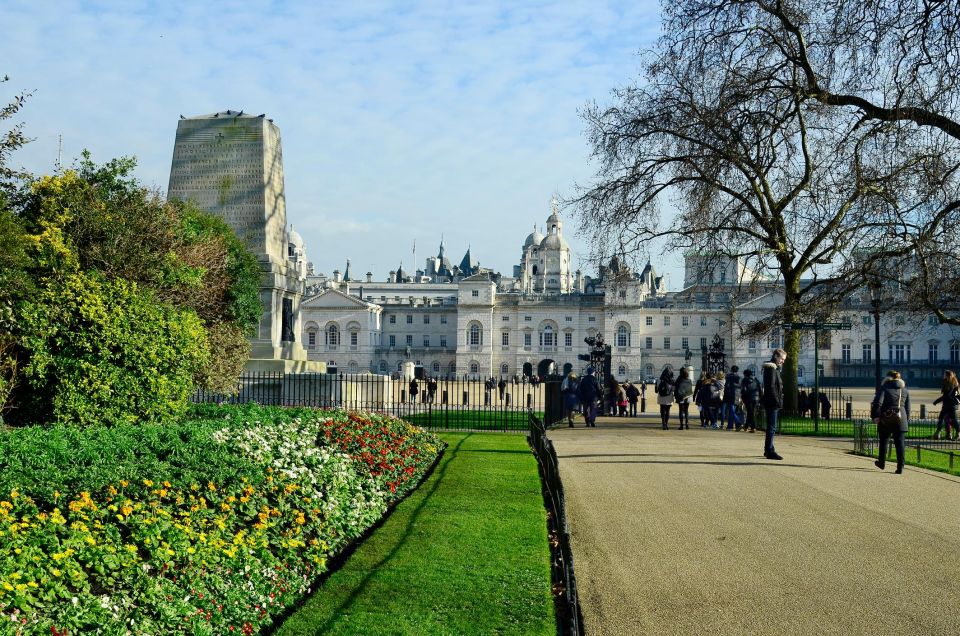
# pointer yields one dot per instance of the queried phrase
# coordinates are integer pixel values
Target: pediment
(334, 299)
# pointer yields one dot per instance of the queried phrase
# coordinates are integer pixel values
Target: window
(393, 341)
(354, 339)
(409, 340)
(648, 342)
(845, 353)
(621, 370)
(568, 339)
(504, 369)
(312, 338)
(868, 320)
(685, 321)
(443, 319)
(527, 318)
(505, 338)
(527, 339)
(409, 319)
(506, 318)
(932, 352)
(436, 367)
(452, 369)
(703, 321)
(474, 367)
(648, 321)
(684, 343)
(443, 341)
(775, 340)
(568, 318)
(547, 337)
(752, 345)
(383, 366)
(475, 294)
(954, 353)
(623, 336)
(333, 336)
(426, 341)
(867, 353)
(426, 319)
(666, 343)
(393, 320)
(703, 343)
(666, 321)
(623, 293)
(932, 321)
(899, 353)
(592, 319)
(899, 319)
(475, 335)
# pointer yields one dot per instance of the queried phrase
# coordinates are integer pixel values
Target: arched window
(475, 335)
(548, 337)
(648, 371)
(383, 366)
(399, 365)
(352, 366)
(452, 369)
(622, 371)
(623, 336)
(333, 336)
(504, 369)
(474, 367)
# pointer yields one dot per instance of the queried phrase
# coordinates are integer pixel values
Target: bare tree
(771, 130)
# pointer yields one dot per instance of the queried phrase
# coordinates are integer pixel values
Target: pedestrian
(772, 398)
(890, 410)
(643, 388)
(633, 395)
(699, 395)
(802, 403)
(750, 392)
(824, 406)
(588, 392)
(569, 391)
(610, 388)
(501, 387)
(665, 396)
(715, 400)
(950, 398)
(731, 398)
(414, 389)
(622, 400)
(683, 394)
(431, 389)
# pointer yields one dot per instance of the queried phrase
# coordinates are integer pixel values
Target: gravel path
(693, 532)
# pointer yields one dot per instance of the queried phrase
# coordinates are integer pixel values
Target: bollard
(923, 411)
(466, 397)
(849, 409)
(444, 398)
(508, 399)
(529, 400)
(403, 395)
(951, 460)
(643, 404)
(486, 398)
(918, 451)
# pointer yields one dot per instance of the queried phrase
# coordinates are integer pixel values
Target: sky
(401, 122)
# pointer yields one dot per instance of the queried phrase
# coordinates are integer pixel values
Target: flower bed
(211, 526)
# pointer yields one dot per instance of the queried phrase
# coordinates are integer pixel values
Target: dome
(553, 219)
(534, 238)
(294, 238)
(554, 242)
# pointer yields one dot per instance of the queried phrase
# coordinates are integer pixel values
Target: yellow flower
(7, 586)
(166, 484)
(148, 483)
(191, 550)
(55, 572)
(211, 486)
(132, 549)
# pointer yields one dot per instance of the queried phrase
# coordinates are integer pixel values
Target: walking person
(502, 387)
(431, 389)
(715, 400)
(731, 398)
(750, 392)
(665, 396)
(890, 410)
(588, 392)
(569, 391)
(950, 398)
(414, 389)
(683, 394)
(772, 399)
(699, 397)
(633, 395)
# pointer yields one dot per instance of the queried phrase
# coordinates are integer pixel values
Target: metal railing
(448, 404)
(569, 617)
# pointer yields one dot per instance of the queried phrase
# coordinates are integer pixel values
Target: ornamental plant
(212, 525)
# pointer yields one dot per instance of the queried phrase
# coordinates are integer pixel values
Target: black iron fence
(494, 404)
(569, 618)
(920, 445)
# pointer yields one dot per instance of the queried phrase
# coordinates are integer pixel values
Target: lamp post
(876, 291)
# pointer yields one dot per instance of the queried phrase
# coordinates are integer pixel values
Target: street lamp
(876, 292)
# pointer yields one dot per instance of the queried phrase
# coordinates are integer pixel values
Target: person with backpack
(633, 395)
(569, 391)
(588, 392)
(665, 396)
(715, 400)
(731, 399)
(699, 395)
(890, 411)
(683, 394)
(750, 392)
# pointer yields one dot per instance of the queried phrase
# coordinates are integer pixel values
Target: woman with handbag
(890, 410)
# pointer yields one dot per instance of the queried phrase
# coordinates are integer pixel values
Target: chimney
(392, 278)
(369, 277)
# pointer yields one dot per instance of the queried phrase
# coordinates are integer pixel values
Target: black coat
(731, 389)
(772, 386)
(589, 389)
(891, 393)
(751, 390)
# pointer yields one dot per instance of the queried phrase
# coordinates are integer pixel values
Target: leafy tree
(795, 133)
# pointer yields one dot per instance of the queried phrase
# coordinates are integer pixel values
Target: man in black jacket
(751, 392)
(731, 399)
(772, 399)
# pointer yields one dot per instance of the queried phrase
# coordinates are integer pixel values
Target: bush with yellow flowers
(214, 525)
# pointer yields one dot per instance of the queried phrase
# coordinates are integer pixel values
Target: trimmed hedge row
(214, 525)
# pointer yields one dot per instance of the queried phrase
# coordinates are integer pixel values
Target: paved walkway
(693, 532)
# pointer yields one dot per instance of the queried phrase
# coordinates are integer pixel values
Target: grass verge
(466, 553)
(930, 459)
(492, 420)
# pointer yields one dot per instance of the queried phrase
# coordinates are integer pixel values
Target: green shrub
(104, 351)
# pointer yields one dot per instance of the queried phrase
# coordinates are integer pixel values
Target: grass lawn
(466, 553)
(492, 420)
(844, 428)
(934, 460)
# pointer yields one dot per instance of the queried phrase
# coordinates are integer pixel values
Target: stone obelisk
(231, 164)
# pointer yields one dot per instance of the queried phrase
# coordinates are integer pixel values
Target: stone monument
(231, 164)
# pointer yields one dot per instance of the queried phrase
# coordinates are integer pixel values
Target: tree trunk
(791, 343)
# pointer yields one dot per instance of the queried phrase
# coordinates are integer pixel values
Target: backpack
(664, 388)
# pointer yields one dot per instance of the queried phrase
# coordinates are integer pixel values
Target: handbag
(890, 417)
